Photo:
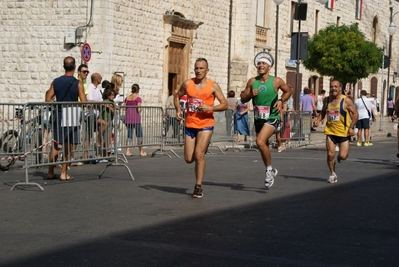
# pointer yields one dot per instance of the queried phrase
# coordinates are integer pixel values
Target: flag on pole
(359, 9)
(330, 4)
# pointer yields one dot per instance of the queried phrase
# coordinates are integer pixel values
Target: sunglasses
(86, 71)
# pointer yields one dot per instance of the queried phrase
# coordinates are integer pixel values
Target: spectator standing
(375, 102)
(229, 113)
(320, 100)
(364, 109)
(107, 113)
(93, 119)
(319, 103)
(171, 120)
(133, 120)
(83, 71)
(306, 103)
(391, 108)
(65, 89)
(394, 117)
(241, 121)
(117, 79)
(285, 131)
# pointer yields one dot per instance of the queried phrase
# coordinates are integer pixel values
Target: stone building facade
(155, 43)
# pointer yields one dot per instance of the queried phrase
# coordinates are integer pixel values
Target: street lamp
(299, 18)
(277, 2)
(391, 30)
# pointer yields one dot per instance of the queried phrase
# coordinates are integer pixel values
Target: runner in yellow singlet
(341, 120)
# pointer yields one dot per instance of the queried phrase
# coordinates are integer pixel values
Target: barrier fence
(80, 132)
(99, 135)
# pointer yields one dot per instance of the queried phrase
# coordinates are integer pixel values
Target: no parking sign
(86, 52)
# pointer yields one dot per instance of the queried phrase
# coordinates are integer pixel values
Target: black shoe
(197, 191)
(313, 129)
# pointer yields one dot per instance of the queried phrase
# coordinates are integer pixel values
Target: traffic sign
(86, 52)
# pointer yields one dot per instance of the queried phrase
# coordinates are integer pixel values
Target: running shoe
(197, 191)
(368, 144)
(332, 178)
(270, 175)
(281, 148)
(339, 159)
(359, 143)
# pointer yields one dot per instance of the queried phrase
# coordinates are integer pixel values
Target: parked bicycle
(13, 143)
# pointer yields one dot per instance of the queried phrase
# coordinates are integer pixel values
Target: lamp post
(391, 30)
(277, 2)
(297, 85)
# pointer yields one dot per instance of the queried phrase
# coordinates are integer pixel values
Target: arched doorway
(179, 33)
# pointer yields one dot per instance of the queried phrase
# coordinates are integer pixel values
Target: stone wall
(129, 36)
(125, 36)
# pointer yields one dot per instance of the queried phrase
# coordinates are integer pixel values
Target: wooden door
(176, 66)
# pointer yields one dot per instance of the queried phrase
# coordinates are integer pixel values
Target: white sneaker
(332, 179)
(270, 175)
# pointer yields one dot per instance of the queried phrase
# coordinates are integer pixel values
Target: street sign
(86, 52)
(387, 60)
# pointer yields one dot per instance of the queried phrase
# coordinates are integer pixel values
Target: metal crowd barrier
(296, 129)
(146, 129)
(297, 125)
(34, 128)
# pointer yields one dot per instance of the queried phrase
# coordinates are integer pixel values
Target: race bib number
(262, 112)
(193, 104)
(333, 115)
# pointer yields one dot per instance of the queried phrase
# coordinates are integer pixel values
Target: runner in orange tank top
(201, 93)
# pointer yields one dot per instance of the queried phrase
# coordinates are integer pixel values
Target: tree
(344, 53)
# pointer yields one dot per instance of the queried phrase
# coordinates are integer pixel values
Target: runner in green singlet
(263, 90)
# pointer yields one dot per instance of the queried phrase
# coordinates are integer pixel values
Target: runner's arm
(247, 93)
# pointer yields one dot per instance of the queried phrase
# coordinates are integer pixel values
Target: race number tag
(262, 112)
(193, 104)
(333, 115)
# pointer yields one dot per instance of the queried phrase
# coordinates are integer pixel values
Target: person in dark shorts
(263, 90)
(65, 88)
(341, 120)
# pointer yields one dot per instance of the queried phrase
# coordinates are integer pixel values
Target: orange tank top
(195, 98)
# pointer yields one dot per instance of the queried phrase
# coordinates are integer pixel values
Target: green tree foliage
(344, 53)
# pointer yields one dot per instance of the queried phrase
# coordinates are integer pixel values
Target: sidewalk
(379, 130)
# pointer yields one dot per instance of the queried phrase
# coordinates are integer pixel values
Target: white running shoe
(332, 179)
(270, 175)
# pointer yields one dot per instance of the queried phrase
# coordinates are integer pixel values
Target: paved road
(153, 221)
